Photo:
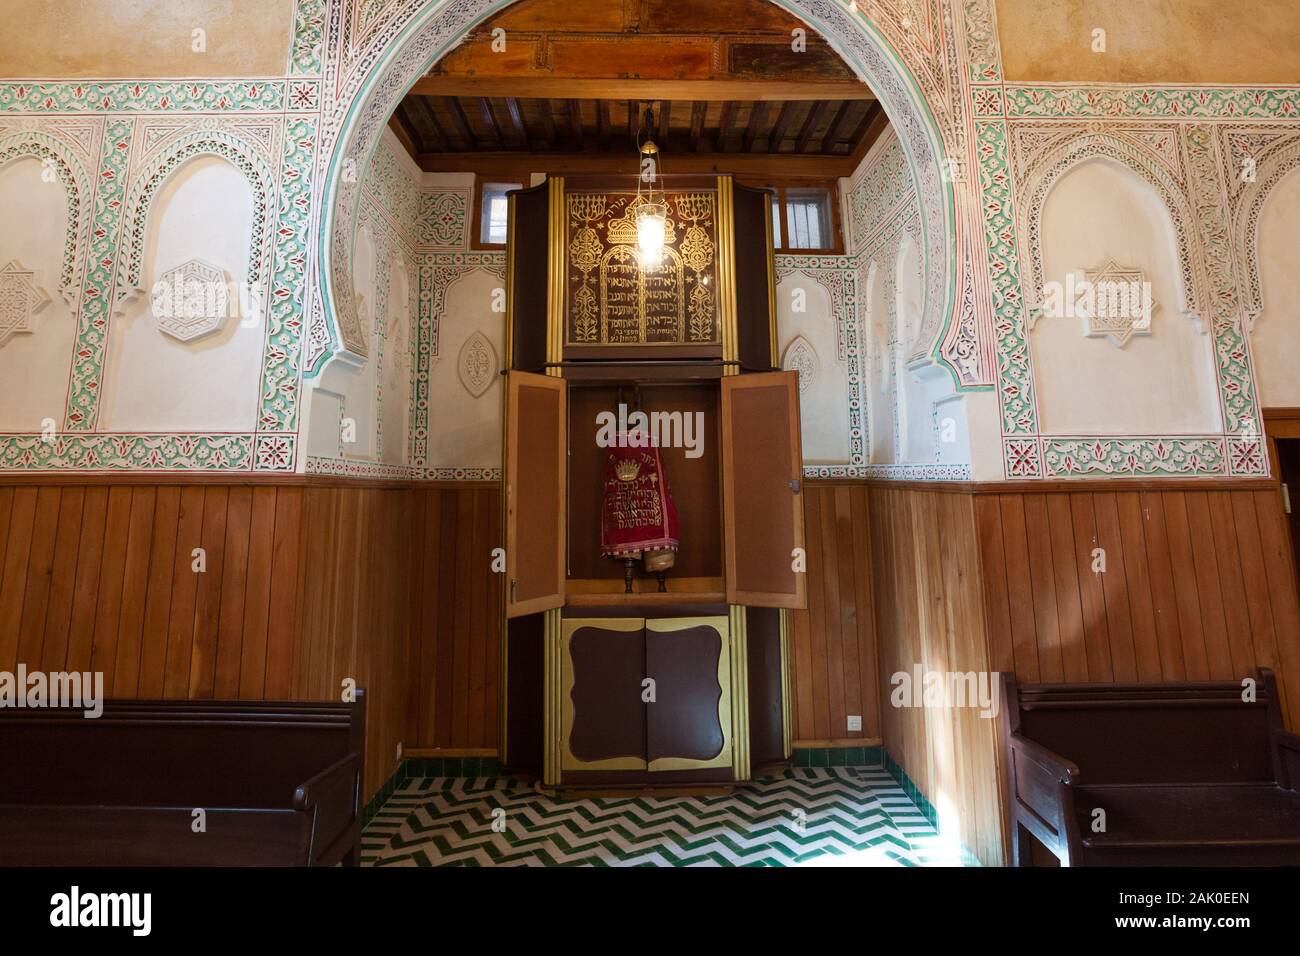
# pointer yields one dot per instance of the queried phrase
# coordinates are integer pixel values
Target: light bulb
(650, 220)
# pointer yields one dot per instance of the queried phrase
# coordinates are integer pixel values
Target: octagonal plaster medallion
(1115, 302)
(190, 301)
(21, 297)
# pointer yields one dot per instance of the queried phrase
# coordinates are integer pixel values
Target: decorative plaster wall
(1159, 383)
(33, 361)
(154, 382)
(1276, 336)
(975, 147)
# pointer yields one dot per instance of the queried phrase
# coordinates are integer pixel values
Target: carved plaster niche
(21, 297)
(477, 364)
(1115, 302)
(801, 357)
(190, 301)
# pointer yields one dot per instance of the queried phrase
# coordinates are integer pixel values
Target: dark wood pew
(1186, 773)
(278, 781)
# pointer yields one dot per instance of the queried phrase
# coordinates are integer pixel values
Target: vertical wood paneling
(455, 617)
(833, 653)
(1196, 587)
(929, 616)
(392, 587)
(135, 577)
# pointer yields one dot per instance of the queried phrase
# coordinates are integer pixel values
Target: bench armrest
(308, 794)
(1063, 770)
(331, 798)
(1287, 751)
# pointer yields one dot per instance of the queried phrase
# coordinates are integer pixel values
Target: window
(805, 215)
(808, 219)
(493, 213)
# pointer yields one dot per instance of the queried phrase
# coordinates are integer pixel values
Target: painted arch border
(855, 38)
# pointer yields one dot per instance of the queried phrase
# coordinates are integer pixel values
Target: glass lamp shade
(650, 220)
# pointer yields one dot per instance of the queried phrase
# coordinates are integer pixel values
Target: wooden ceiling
(563, 86)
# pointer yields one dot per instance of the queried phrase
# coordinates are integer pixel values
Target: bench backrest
(236, 754)
(1153, 733)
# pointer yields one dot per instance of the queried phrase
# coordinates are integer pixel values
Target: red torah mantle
(638, 513)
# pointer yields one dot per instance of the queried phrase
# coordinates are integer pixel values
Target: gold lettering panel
(612, 301)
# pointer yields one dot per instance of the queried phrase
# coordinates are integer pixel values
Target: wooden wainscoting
(455, 617)
(1198, 585)
(929, 615)
(99, 578)
(304, 586)
(833, 644)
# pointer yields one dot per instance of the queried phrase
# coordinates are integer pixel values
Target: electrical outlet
(399, 749)
(855, 723)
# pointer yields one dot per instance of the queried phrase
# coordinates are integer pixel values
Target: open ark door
(536, 421)
(762, 481)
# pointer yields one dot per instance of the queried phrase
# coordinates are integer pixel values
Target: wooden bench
(279, 783)
(1186, 773)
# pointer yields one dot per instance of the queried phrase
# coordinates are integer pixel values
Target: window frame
(781, 187)
(476, 230)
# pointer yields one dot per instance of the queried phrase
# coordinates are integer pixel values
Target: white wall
(465, 431)
(395, 391)
(823, 396)
(1159, 384)
(34, 367)
(1275, 341)
(154, 382)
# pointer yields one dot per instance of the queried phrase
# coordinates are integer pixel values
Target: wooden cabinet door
(762, 479)
(688, 725)
(603, 719)
(535, 492)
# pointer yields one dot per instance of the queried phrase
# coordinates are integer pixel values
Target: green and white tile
(837, 816)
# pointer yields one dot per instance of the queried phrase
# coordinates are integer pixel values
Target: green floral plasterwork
(305, 58)
(1015, 382)
(1084, 102)
(171, 452)
(98, 289)
(1123, 457)
(152, 96)
(281, 381)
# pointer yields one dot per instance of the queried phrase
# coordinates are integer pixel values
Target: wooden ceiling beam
(697, 124)
(510, 164)
(832, 137)
(461, 121)
(757, 117)
(809, 127)
(517, 120)
(780, 128)
(490, 120)
(724, 125)
(552, 140)
(575, 122)
(438, 133)
(620, 88)
(603, 123)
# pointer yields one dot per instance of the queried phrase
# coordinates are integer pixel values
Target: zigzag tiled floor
(842, 816)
